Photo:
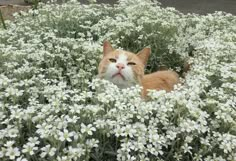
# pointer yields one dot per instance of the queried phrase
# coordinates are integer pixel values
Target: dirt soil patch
(8, 10)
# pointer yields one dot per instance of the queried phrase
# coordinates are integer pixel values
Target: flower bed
(52, 107)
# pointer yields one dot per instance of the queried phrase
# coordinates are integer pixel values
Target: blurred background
(193, 6)
(186, 6)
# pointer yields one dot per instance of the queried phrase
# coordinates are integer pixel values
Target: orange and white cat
(126, 69)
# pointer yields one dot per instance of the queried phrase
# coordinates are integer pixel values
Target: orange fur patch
(161, 80)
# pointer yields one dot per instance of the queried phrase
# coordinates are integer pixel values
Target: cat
(126, 69)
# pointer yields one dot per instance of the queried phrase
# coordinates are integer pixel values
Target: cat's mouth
(118, 75)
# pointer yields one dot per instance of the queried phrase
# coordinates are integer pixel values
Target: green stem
(172, 150)
(2, 20)
(36, 4)
(87, 157)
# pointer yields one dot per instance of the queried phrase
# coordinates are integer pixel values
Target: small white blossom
(34, 140)
(9, 144)
(29, 148)
(48, 150)
(21, 159)
(87, 129)
(65, 135)
(12, 153)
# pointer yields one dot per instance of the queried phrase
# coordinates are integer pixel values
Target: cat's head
(121, 67)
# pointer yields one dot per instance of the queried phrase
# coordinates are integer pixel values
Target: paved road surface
(202, 6)
(185, 6)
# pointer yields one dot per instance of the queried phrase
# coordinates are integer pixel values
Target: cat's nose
(120, 66)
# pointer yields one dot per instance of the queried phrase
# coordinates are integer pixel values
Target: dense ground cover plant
(52, 107)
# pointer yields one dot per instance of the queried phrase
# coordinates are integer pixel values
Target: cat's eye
(112, 60)
(131, 63)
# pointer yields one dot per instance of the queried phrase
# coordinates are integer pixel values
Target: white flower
(119, 131)
(9, 144)
(100, 123)
(91, 143)
(16, 113)
(29, 148)
(13, 132)
(48, 150)
(87, 129)
(73, 119)
(77, 152)
(44, 129)
(13, 92)
(131, 158)
(34, 140)
(171, 135)
(21, 159)
(187, 148)
(63, 158)
(65, 135)
(129, 131)
(12, 153)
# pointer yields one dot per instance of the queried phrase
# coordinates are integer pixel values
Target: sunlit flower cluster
(53, 106)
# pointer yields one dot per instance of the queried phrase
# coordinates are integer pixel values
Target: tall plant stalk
(2, 20)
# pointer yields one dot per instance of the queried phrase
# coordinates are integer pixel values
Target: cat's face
(121, 67)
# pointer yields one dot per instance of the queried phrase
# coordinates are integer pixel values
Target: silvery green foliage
(52, 106)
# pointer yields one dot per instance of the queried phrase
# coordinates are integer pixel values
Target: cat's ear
(107, 48)
(143, 55)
